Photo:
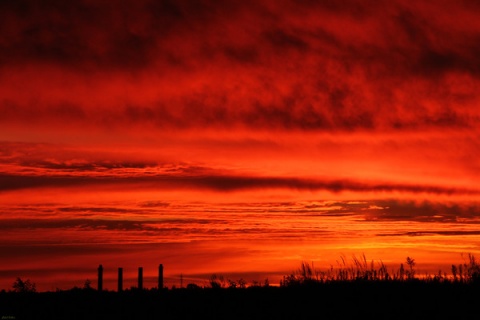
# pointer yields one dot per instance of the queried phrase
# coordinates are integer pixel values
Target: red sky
(234, 119)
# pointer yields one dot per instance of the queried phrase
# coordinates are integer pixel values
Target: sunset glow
(235, 137)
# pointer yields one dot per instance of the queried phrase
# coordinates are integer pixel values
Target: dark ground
(370, 300)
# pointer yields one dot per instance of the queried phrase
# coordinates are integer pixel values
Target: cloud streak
(222, 183)
(424, 211)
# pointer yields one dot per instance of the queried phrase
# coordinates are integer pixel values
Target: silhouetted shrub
(24, 286)
(193, 286)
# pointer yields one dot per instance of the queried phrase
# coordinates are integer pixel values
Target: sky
(235, 137)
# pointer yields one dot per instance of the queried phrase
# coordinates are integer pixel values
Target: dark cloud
(285, 65)
(96, 209)
(425, 211)
(126, 225)
(337, 209)
(46, 250)
(221, 183)
(442, 233)
(89, 34)
(154, 204)
(337, 114)
(232, 183)
(78, 167)
(156, 225)
(280, 39)
(64, 158)
(78, 33)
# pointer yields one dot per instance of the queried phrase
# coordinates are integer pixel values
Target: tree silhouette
(87, 285)
(24, 286)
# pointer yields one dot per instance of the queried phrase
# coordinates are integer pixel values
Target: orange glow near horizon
(236, 138)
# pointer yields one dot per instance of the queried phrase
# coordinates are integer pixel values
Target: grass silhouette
(362, 270)
(359, 288)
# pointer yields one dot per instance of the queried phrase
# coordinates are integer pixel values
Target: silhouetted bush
(24, 286)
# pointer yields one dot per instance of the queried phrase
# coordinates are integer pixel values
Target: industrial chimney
(120, 279)
(160, 277)
(140, 278)
(100, 278)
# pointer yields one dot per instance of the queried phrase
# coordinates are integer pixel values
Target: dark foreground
(338, 300)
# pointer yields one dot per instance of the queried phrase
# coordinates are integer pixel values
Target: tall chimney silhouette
(160, 277)
(120, 279)
(140, 278)
(100, 278)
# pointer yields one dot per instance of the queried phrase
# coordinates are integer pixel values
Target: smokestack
(120, 279)
(160, 277)
(140, 278)
(100, 278)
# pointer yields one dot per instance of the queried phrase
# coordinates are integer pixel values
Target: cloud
(425, 211)
(442, 233)
(125, 225)
(156, 225)
(288, 66)
(222, 183)
(29, 251)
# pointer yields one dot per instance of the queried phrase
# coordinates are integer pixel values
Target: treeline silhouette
(356, 289)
